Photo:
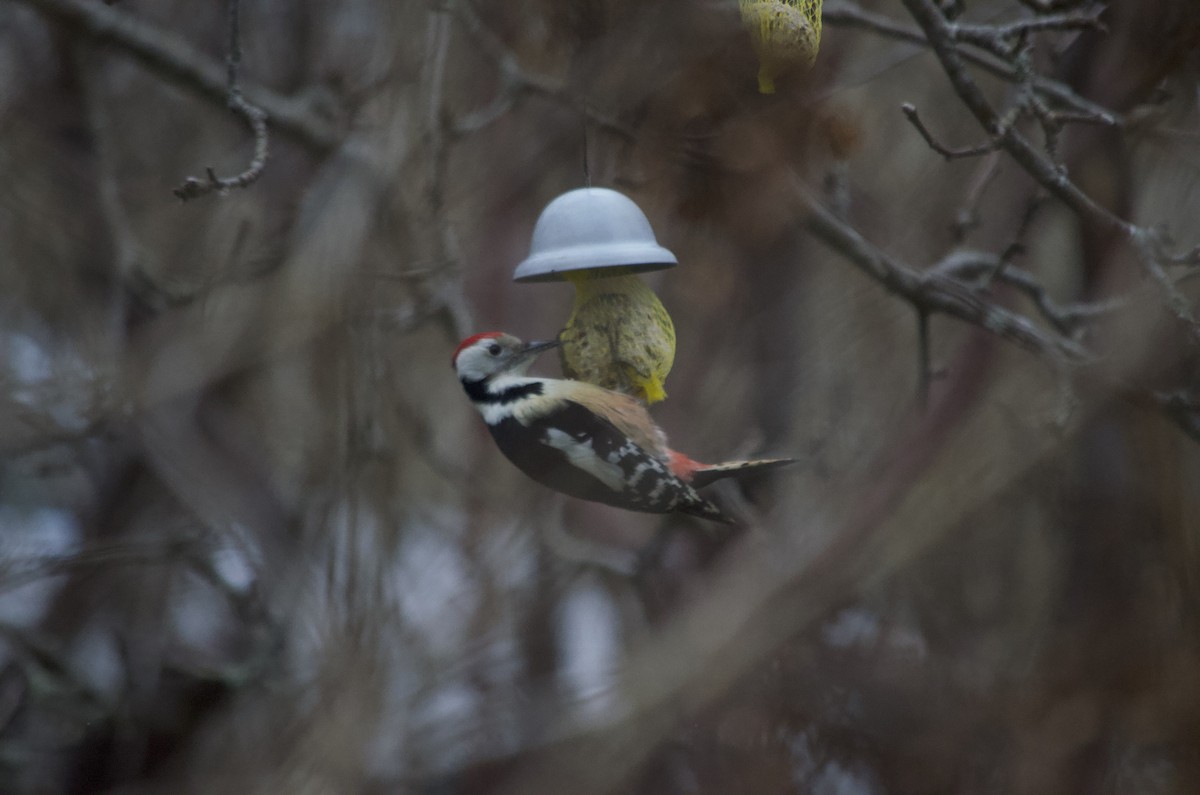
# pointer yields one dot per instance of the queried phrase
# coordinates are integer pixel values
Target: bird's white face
(486, 355)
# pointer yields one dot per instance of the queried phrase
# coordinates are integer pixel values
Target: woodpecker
(581, 439)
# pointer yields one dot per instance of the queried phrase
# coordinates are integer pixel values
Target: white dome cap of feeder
(591, 229)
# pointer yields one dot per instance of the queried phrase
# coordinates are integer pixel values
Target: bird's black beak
(535, 348)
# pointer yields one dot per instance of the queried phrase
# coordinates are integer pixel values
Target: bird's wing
(623, 412)
(582, 453)
(586, 451)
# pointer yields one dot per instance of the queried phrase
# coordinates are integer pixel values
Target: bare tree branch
(935, 292)
(1051, 6)
(990, 269)
(1049, 174)
(1183, 409)
(910, 111)
(967, 218)
(255, 117)
(1002, 40)
(851, 15)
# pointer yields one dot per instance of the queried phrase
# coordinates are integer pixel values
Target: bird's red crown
(469, 341)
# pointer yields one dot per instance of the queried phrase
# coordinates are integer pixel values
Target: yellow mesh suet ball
(785, 34)
(619, 335)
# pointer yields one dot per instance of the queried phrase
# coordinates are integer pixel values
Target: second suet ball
(785, 34)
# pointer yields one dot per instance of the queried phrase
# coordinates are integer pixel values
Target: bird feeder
(619, 335)
(591, 229)
(786, 36)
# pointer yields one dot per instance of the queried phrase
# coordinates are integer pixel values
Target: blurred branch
(444, 285)
(128, 251)
(177, 61)
(924, 364)
(1183, 409)
(18, 571)
(255, 117)
(47, 668)
(35, 424)
(515, 81)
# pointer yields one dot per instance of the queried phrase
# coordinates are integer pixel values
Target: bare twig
(516, 81)
(1162, 240)
(1002, 40)
(967, 217)
(1017, 246)
(851, 15)
(910, 111)
(255, 117)
(989, 269)
(1051, 6)
(1040, 167)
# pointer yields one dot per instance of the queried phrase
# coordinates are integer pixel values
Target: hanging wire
(587, 170)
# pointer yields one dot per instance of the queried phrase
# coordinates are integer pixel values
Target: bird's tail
(700, 475)
(698, 506)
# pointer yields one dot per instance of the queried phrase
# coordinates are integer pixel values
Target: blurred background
(254, 538)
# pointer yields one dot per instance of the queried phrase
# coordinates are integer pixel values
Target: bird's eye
(494, 349)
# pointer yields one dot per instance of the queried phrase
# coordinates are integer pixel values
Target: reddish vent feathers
(682, 466)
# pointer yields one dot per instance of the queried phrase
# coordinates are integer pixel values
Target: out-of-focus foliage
(254, 539)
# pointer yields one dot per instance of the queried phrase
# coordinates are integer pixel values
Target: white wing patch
(582, 455)
(493, 413)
